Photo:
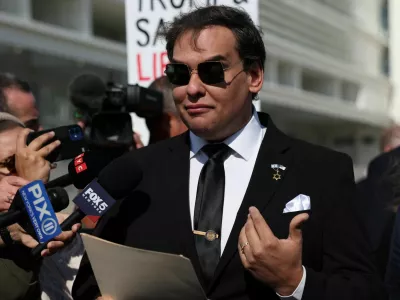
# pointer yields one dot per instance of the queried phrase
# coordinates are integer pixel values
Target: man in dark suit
(231, 193)
(392, 278)
(378, 195)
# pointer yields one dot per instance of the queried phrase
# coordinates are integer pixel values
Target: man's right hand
(30, 161)
(19, 236)
(9, 186)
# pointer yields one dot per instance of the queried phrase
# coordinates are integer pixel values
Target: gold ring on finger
(243, 246)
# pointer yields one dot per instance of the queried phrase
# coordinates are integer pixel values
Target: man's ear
(255, 77)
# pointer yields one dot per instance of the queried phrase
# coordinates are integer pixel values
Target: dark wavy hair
(250, 45)
(8, 81)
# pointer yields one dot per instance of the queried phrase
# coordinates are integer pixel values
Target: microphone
(83, 169)
(87, 92)
(114, 182)
(17, 213)
(62, 181)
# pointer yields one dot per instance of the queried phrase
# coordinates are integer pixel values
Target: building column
(86, 16)
(271, 71)
(337, 89)
(394, 57)
(297, 77)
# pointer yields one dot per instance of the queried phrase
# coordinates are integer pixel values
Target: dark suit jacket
(376, 195)
(156, 217)
(392, 279)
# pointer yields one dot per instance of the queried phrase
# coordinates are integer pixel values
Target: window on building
(385, 61)
(350, 91)
(316, 82)
(285, 74)
(385, 15)
(109, 20)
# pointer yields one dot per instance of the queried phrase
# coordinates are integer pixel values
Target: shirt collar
(243, 142)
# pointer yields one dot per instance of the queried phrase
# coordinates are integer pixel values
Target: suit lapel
(262, 186)
(180, 167)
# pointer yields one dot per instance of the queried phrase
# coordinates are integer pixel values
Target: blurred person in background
(390, 139)
(169, 124)
(379, 197)
(16, 98)
(20, 164)
(10, 127)
(392, 279)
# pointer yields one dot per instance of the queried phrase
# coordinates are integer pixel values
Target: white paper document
(127, 273)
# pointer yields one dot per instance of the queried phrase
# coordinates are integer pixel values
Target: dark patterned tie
(208, 208)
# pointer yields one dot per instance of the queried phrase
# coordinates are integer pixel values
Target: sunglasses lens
(177, 74)
(211, 72)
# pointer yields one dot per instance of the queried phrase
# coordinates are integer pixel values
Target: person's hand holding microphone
(20, 236)
(276, 262)
(31, 164)
(9, 186)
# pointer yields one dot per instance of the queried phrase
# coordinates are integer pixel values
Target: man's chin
(201, 131)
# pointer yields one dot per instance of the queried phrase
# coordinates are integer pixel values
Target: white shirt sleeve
(298, 293)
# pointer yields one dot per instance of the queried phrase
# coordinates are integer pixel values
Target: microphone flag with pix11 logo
(40, 211)
(94, 200)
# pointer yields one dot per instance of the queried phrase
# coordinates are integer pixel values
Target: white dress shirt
(238, 166)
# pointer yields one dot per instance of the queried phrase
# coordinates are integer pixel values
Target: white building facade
(326, 76)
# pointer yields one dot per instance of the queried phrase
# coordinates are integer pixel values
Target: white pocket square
(301, 202)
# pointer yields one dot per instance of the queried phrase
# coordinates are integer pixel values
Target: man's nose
(195, 87)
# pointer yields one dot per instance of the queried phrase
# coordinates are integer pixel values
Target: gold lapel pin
(277, 176)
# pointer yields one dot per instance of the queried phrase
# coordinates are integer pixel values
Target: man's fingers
(54, 246)
(28, 241)
(264, 232)
(21, 139)
(76, 227)
(11, 190)
(16, 181)
(251, 234)
(49, 148)
(295, 227)
(4, 206)
(37, 143)
(65, 236)
(242, 241)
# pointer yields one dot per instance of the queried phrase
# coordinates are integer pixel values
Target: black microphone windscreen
(82, 172)
(121, 176)
(62, 181)
(87, 91)
(59, 198)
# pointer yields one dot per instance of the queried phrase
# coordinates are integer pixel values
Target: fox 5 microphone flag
(94, 200)
(40, 211)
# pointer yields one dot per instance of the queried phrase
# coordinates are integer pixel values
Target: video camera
(104, 109)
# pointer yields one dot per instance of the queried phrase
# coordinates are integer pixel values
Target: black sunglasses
(210, 72)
